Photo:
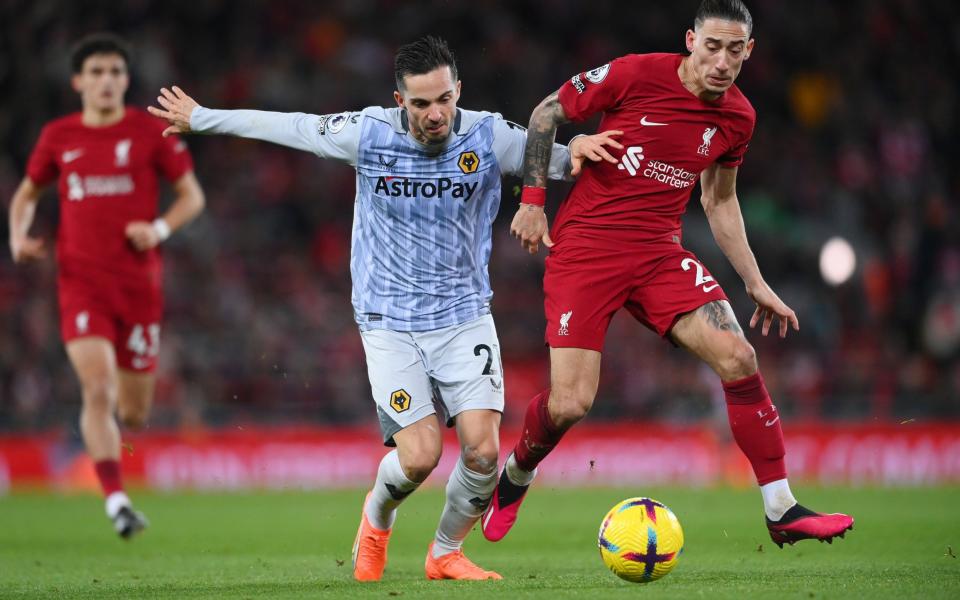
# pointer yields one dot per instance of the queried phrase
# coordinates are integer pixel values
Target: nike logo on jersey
(772, 421)
(647, 123)
(71, 155)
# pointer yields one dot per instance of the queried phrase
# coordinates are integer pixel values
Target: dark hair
(423, 56)
(727, 10)
(97, 43)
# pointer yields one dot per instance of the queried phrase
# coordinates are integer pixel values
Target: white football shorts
(445, 371)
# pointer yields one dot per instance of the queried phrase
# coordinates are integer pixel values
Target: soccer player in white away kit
(428, 190)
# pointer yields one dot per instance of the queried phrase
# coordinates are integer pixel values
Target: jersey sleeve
(734, 156)
(42, 166)
(173, 159)
(335, 136)
(509, 142)
(597, 90)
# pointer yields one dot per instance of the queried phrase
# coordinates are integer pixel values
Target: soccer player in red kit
(617, 243)
(107, 160)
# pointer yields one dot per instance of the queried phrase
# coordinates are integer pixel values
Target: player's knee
(133, 407)
(418, 463)
(132, 418)
(99, 394)
(740, 362)
(569, 405)
(482, 458)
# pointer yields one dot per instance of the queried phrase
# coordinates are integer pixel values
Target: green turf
(297, 545)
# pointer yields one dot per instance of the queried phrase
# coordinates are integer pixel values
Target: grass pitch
(297, 545)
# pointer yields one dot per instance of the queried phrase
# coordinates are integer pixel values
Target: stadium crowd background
(857, 136)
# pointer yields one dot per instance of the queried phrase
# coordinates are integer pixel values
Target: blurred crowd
(857, 130)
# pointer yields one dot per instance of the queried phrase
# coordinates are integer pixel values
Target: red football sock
(756, 427)
(108, 472)
(539, 436)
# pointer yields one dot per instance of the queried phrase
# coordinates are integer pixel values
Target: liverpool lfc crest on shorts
(565, 323)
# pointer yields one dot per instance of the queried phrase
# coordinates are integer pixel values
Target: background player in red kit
(617, 243)
(107, 160)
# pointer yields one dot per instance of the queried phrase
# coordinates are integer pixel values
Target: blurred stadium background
(262, 378)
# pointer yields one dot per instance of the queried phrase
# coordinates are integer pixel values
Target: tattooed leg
(712, 333)
(720, 316)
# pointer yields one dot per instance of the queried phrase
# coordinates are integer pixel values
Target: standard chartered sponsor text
(99, 185)
(669, 174)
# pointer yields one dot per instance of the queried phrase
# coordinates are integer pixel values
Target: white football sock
(777, 498)
(517, 475)
(115, 502)
(468, 494)
(391, 488)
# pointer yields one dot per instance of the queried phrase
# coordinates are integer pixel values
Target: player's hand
(26, 249)
(142, 235)
(530, 227)
(177, 107)
(769, 305)
(592, 147)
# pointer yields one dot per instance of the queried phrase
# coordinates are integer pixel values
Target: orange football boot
(369, 549)
(455, 566)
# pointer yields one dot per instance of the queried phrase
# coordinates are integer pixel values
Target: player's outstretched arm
(187, 204)
(530, 223)
(23, 207)
(300, 131)
(177, 109)
(720, 203)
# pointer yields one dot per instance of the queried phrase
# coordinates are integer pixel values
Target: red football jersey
(107, 178)
(670, 137)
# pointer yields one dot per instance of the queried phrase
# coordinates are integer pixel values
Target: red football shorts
(584, 286)
(125, 311)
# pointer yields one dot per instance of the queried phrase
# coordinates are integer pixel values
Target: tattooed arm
(540, 134)
(720, 203)
(530, 223)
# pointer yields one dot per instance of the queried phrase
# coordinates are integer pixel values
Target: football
(640, 540)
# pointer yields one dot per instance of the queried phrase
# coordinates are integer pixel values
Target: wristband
(161, 228)
(533, 195)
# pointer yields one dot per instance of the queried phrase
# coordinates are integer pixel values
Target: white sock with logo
(468, 494)
(777, 498)
(517, 475)
(391, 488)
